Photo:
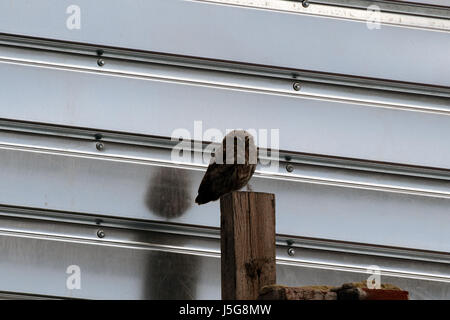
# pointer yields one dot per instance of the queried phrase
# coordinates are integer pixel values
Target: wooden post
(247, 224)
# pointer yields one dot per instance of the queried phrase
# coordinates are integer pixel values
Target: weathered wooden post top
(247, 243)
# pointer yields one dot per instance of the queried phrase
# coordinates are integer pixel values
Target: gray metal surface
(369, 160)
(222, 33)
(386, 12)
(443, 3)
(72, 175)
(152, 100)
(136, 264)
(419, 4)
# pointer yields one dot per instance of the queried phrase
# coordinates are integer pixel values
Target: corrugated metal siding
(366, 136)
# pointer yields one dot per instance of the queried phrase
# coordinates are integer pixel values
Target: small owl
(231, 167)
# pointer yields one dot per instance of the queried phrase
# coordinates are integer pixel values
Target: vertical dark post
(247, 221)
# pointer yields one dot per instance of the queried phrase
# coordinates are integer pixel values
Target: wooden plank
(348, 291)
(277, 292)
(247, 244)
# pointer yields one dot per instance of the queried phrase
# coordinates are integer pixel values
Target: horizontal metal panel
(222, 33)
(155, 100)
(129, 142)
(137, 264)
(443, 3)
(71, 175)
(385, 12)
(20, 296)
(386, 3)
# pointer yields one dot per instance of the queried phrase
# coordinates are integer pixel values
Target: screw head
(101, 62)
(100, 146)
(291, 251)
(305, 3)
(289, 168)
(100, 233)
(297, 86)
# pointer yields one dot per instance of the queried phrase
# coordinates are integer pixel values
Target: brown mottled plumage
(229, 171)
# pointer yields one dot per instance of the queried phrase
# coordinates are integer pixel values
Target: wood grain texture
(276, 292)
(348, 291)
(247, 244)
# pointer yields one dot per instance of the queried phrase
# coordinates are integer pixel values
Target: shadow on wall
(169, 193)
(170, 275)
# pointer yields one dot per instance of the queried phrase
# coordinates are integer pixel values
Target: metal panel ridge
(66, 176)
(242, 34)
(149, 100)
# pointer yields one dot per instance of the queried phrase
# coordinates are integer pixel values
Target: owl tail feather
(200, 200)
